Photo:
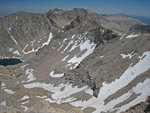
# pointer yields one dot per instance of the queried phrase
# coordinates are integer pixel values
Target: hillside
(74, 62)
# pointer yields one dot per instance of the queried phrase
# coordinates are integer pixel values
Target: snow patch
(25, 97)
(30, 75)
(9, 91)
(25, 107)
(101, 57)
(59, 95)
(3, 103)
(71, 42)
(108, 89)
(48, 41)
(12, 36)
(60, 48)
(56, 75)
(33, 50)
(75, 61)
(144, 93)
(122, 36)
(14, 39)
(132, 35)
(46, 98)
(3, 85)
(64, 40)
(10, 49)
(129, 55)
(9, 28)
(32, 42)
(16, 17)
(64, 59)
(16, 52)
(25, 102)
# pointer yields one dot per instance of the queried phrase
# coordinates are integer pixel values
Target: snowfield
(65, 96)
(143, 94)
(75, 61)
(108, 89)
(59, 96)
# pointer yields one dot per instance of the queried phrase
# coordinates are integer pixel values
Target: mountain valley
(74, 61)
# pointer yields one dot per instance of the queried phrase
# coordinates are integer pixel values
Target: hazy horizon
(129, 7)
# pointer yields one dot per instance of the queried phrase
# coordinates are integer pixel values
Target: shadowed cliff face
(73, 62)
(140, 29)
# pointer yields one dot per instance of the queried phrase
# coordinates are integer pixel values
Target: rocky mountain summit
(74, 62)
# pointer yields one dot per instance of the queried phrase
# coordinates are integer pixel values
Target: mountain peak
(81, 11)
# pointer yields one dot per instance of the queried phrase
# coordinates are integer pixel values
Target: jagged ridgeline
(74, 61)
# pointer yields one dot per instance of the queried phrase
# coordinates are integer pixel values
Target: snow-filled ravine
(89, 47)
(81, 41)
(35, 50)
(65, 96)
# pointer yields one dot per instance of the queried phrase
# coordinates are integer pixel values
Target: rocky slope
(74, 62)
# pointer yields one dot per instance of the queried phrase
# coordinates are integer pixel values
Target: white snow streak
(9, 91)
(122, 36)
(25, 102)
(130, 55)
(14, 39)
(25, 97)
(101, 57)
(12, 36)
(64, 59)
(89, 47)
(35, 50)
(56, 75)
(132, 36)
(71, 42)
(143, 90)
(48, 41)
(31, 51)
(108, 89)
(59, 95)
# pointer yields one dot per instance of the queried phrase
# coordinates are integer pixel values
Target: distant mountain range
(141, 18)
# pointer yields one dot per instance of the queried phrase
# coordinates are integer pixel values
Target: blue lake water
(10, 61)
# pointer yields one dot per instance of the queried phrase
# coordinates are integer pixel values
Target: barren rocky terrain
(74, 62)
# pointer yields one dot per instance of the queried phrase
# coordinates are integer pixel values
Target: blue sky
(131, 7)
